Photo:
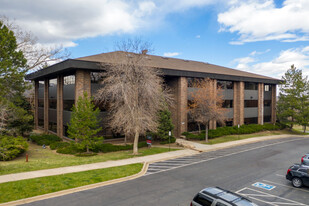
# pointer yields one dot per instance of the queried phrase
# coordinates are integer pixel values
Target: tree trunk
(206, 133)
(135, 144)
(199, 128)
(305, 128)
(87, 149)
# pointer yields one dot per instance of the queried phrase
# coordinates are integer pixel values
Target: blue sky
(260, 36)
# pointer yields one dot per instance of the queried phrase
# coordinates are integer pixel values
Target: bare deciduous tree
(133, 92)
(206, 104)
(37, 55)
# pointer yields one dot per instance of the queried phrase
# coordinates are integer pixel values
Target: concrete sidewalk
(191, 148)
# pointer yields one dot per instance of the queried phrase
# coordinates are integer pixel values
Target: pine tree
(293, 98)
(84, 123)
(165, 124)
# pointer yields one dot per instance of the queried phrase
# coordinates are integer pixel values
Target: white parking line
(280, 175)
(258, 194)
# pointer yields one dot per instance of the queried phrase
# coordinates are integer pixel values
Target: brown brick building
(250, 98)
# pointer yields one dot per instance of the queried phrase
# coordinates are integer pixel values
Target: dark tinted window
(251, 103)
(251, 86)
(227, 104)
(221, 204)
(203, 200)
(225, 84)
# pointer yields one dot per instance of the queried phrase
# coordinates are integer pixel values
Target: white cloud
(198, 36)
(64, 21)
(171, 54)
(261, 20)
(279, 65)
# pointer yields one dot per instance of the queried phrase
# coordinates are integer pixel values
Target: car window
(221, 204)
(303, 170)
(203, 200)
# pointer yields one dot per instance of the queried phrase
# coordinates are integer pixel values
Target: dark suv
(215, 196)
(299, 175)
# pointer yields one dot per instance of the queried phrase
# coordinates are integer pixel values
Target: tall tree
(165, 124)
(293, 98)
(12, 65)
(206, 104)
(84, 123)
(134, 92)
(38, 56)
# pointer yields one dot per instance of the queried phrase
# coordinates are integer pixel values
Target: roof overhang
(69, 66)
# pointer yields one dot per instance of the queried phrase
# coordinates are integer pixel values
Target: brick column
(60, 106)
(213, 123)
(261, 103)
(239, 100)
(36, 104)
(182, 103)
(46, 104)
(82, 84)
(273, 103)
(179, 89)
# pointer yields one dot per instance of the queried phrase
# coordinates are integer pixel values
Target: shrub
(243, 129)
(46, 139)
(172, 140)
(97, 147)
(58, 145)
(11, 147)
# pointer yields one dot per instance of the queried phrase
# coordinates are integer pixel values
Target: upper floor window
(267, 87)
(251, 86)
(225, 84)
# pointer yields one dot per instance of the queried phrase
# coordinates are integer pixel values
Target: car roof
(226, 195)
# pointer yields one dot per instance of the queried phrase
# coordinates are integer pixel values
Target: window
(221, 204)
(267, 87)
(224, 84)
(203, 200)
(227, 104)
(251, 103)
(267, 103)
(253, 120)
(251, 86)
(267, 118)
(192, 80)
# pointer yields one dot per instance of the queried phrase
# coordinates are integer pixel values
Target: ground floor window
(252, 120)
(267, 118)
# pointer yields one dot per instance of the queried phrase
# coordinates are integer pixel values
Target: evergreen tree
(84, 123)
(165, 124)
(12, 65)
(293, 98)
(16, 118)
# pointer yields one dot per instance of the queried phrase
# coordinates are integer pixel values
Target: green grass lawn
(11, 191)
(246, 136)
(40, 158)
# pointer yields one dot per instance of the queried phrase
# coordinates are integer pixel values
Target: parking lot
(275, 190)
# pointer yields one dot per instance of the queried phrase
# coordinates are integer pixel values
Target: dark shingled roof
(169, 66)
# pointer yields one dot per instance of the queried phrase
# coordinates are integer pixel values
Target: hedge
(11, 147)
(243, 129)
(98, 147)
(46, 139)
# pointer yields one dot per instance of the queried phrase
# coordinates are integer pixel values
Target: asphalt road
(235, 169)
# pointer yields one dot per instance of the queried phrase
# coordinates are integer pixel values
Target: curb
(77, 189)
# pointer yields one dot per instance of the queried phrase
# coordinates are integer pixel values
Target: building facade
(249, 98)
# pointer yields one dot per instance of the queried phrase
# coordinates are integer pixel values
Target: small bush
(172, 140)
(11, 147)
(97, 147)
(58, 145)
(71, 149)
(243, 129)
(46, 139)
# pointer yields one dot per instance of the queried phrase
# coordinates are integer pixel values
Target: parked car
(305, 159)
(299, 175)
(215, 196)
